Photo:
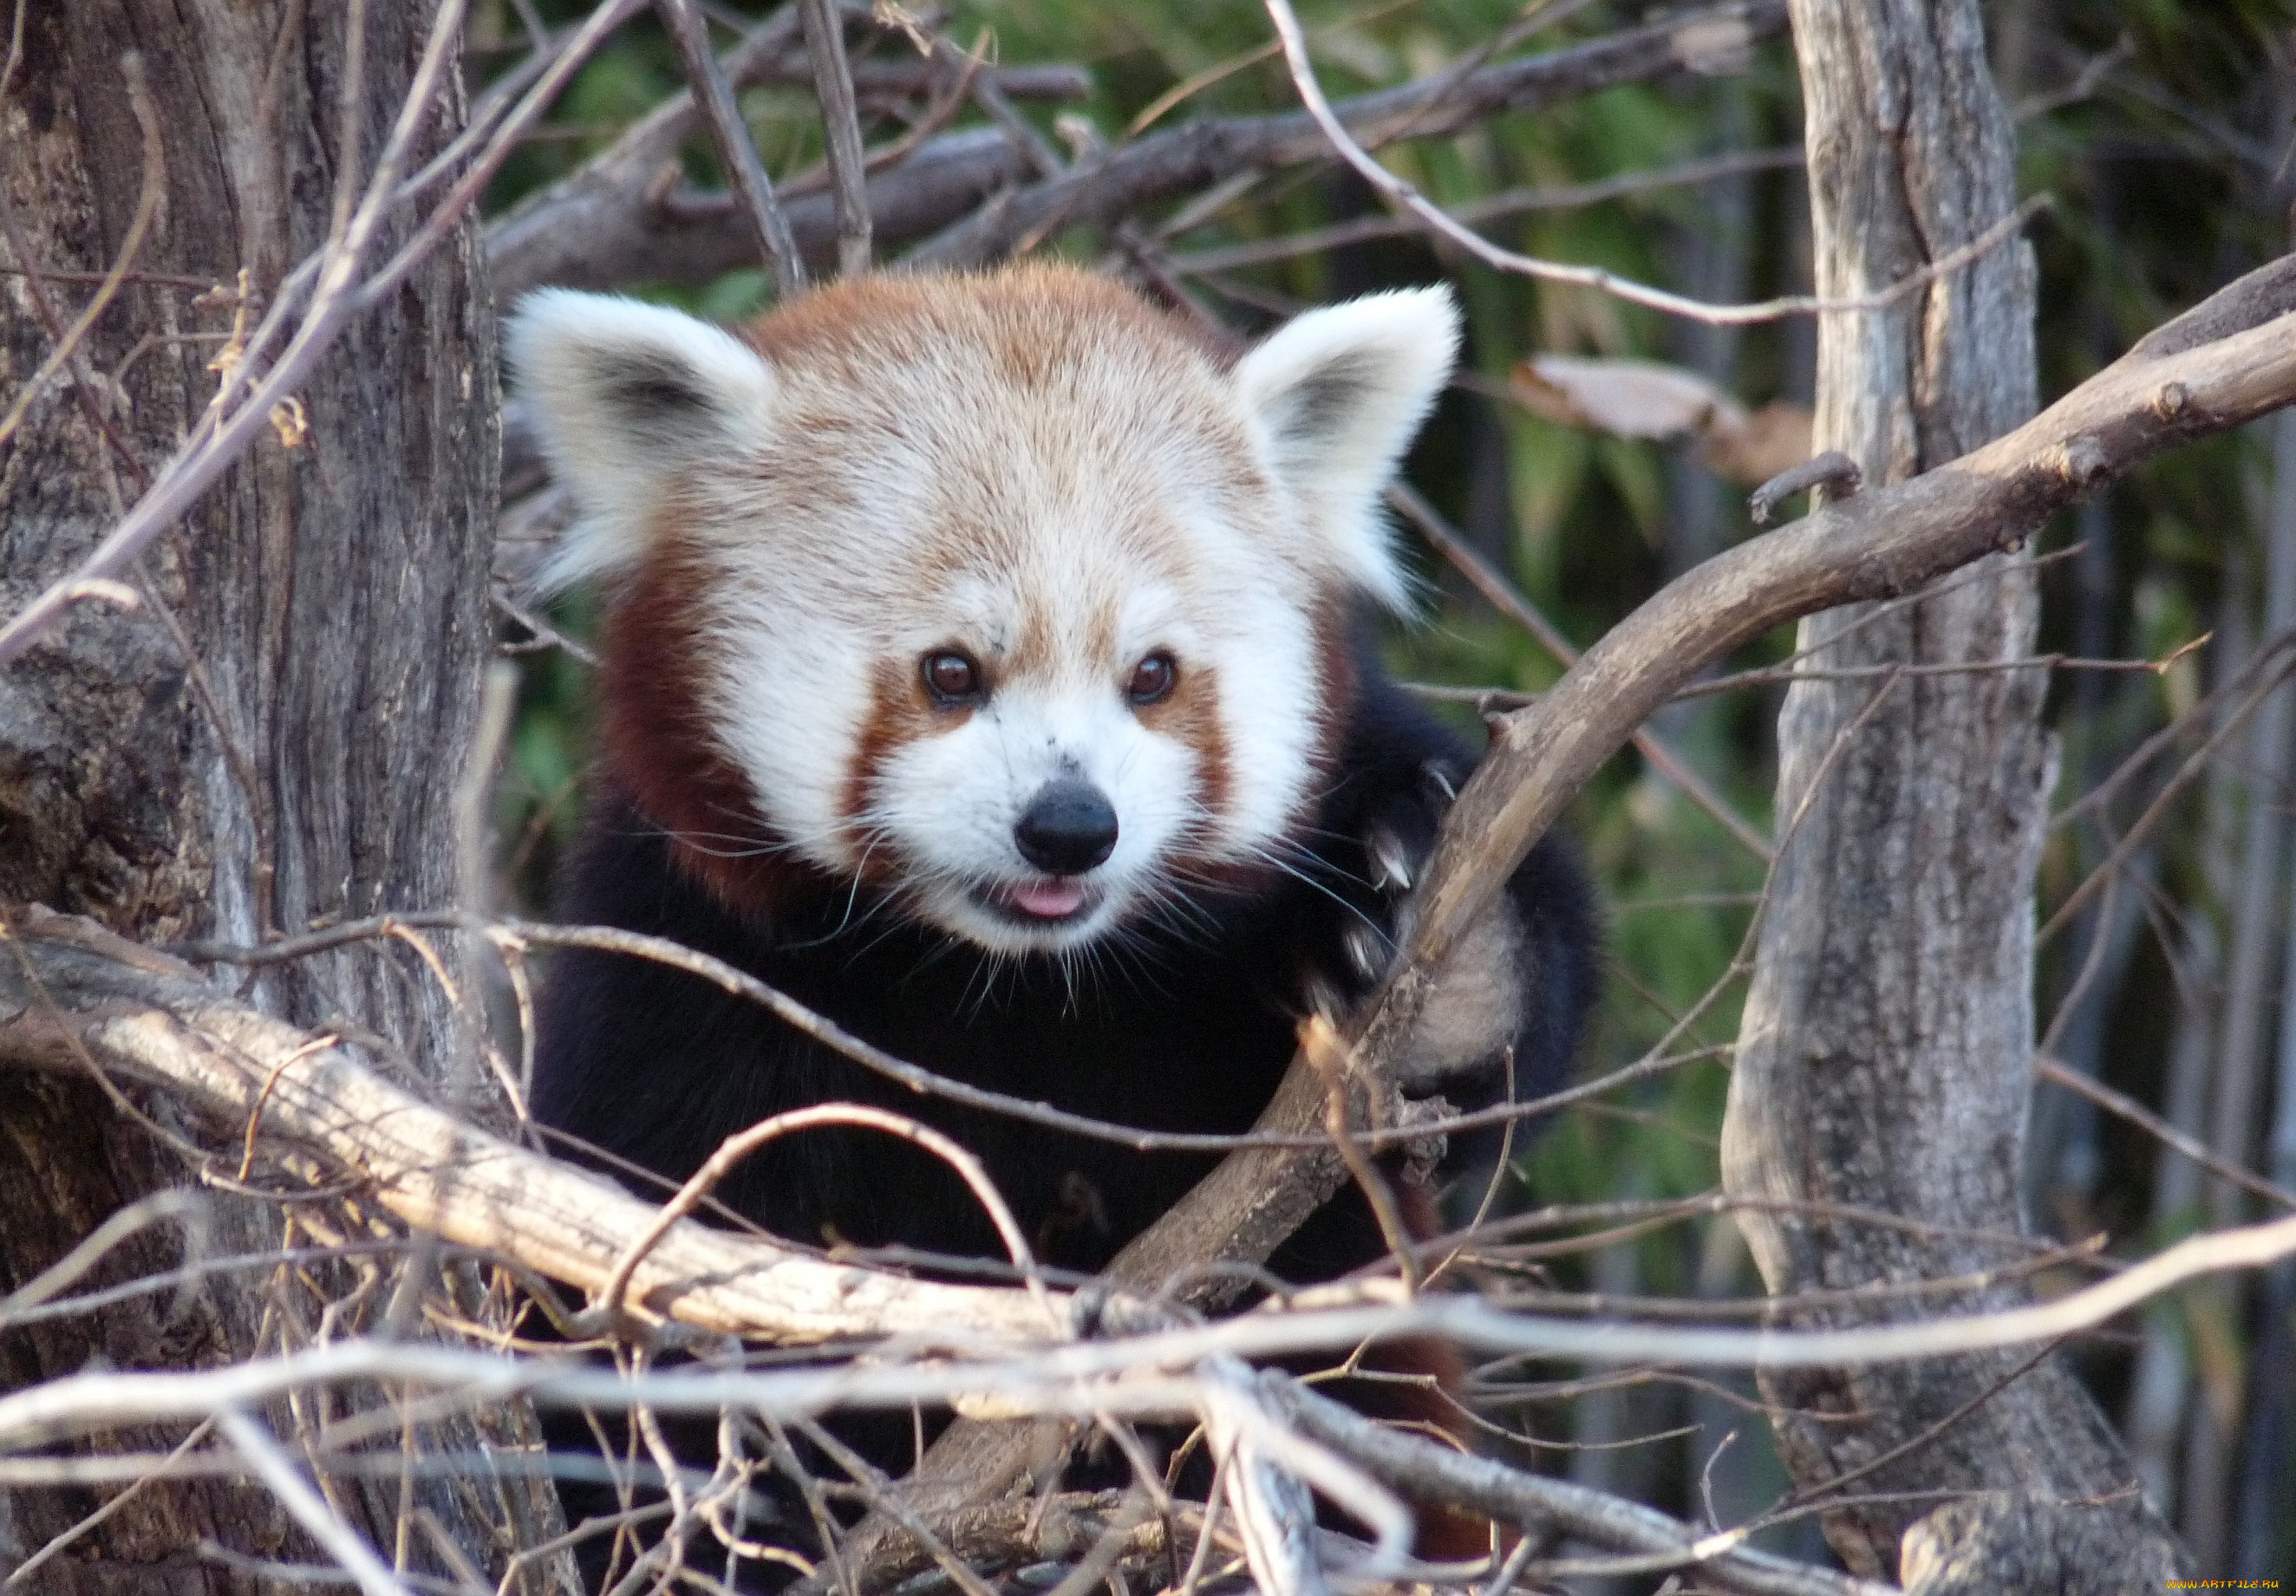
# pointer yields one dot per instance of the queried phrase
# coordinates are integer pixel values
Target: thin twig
(447, 214)
(945, 104)
(2165, 800)
(2099, 796)
(1219, 71)
(737, 152)
(1509, 600)
(305, 1505)
(147, 207)
(739, 1146)
(1322, 1047)
(2127, 1108)
(1507, 202)
(821, 1028)
(132, 1219)
(1787, 674)
(1907, 1448)
(545, 635)
(841, 125)
(148, 1472)
(1509, 1496)
(1311, 96)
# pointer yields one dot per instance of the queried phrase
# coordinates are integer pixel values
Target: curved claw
(1440, 784)
(1368, 952)
(1391, 861)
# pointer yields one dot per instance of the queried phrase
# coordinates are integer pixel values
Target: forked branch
(2224, 363)
(73, 997)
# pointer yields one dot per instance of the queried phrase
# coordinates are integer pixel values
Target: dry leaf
(1648, 400)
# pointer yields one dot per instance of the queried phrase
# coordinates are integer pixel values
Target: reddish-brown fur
(654, 732)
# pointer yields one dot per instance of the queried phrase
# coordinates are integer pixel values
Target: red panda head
(1003, 594)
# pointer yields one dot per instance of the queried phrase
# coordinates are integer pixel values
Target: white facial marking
(1031, 469)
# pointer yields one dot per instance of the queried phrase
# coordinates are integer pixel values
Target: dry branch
(737, 152)
(1131, 1374)
(1507, 202)
(609, 241)
(840, 128)
(1505, 597)
(1425, 1468)
(1198, 154)
(66, 985)
(71, 994)
(341, 291)
(601, 227)
(2224, 363)
(619, 177)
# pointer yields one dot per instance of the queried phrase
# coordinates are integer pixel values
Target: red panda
(985, 664)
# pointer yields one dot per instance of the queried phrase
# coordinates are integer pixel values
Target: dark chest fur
(1180, 1028)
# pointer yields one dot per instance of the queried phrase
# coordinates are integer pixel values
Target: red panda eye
(950, 677)
(1153, 679)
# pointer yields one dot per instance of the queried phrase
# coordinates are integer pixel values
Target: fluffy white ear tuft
(625, 396)
(1338, 393)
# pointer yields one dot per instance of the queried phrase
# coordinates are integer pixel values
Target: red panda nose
(1066, 828)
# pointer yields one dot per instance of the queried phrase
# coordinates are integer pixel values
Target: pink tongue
(1048, 900)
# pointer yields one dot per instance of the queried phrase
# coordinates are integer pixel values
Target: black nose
(1066, 828)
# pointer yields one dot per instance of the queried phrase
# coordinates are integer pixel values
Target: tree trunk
(269, 735)
(1885, 1053)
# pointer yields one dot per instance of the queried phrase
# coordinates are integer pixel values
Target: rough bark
(1885, 1054)
(272, 733)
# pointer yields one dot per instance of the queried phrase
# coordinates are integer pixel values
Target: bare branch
(1509, 601)
(338, 298)
(2225, 362)
(1423, 1468)
(568, 217)
(1507, 202)
(606, 241)
(840, 126)
(68, 985)
(1334, 127)
(2127, 1108)
(1198, 154)
(737, 152)
(599, 229)
(262, 1450)
(1125, 1374)
(1833, 470)
(740, 1145)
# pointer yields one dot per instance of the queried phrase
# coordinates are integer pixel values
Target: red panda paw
(1478, 1002)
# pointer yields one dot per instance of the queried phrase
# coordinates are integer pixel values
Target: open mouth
(1041, 903)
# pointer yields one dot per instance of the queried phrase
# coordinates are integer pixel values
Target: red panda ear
(625, 398)
(1337, 394)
